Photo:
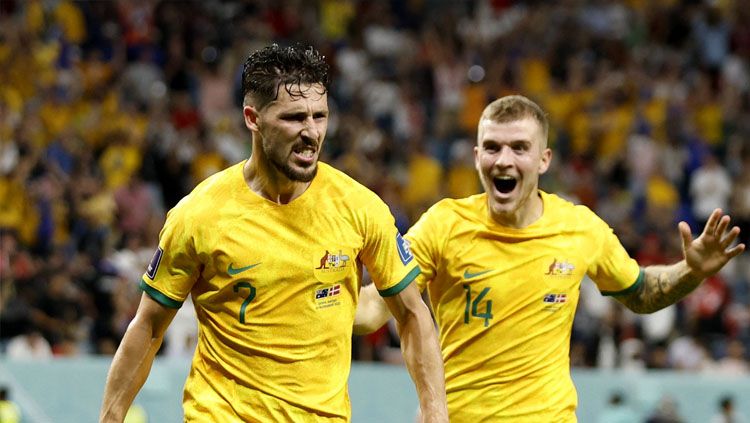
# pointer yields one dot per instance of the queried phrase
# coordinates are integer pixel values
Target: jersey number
(473, 305)
(249, 297)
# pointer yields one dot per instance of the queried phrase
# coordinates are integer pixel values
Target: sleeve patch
(154, 265)
(404, 250)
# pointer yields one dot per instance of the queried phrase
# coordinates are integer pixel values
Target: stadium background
(111, 111)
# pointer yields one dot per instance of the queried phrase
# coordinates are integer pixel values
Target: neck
(265, 180)
(529, 212)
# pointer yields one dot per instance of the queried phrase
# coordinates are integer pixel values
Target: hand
(708, 253)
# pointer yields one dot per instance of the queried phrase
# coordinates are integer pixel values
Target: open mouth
(304, 151)
(504, 184)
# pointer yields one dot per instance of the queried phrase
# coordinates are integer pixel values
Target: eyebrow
(303, 112)
(511, 142)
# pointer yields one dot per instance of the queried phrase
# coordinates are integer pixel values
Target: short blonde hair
(515, 107)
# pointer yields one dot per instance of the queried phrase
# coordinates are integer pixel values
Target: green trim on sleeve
(409, 278)
(628, 290)
(159, 297)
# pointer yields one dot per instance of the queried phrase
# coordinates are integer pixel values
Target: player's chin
(303, 173)
(502, 204)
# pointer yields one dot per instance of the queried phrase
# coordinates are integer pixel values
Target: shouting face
(291, 130)
(509, 157)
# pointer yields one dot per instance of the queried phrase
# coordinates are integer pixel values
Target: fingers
(729, 239)
(722, 226)
(731, 236)
(712, 222)
(685, 234)
(735, 251)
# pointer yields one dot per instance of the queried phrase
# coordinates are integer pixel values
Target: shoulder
(334, 179)
(220, 182)
(453, 208)
(203, 198)
(568, 217)
(450, 216)
(566, 210)
(339, 187)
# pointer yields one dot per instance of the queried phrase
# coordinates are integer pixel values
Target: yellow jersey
(504, 301)
(275, 289)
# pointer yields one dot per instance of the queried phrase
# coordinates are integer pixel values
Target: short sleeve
(174, 267)
(425, 241)
(613, 270)
(385, 253)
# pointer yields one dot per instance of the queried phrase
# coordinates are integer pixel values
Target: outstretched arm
(132, 362)
(703, 257)
(372, 312)
(419, 345)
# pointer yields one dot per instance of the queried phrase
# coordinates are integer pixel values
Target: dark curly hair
(266, 70)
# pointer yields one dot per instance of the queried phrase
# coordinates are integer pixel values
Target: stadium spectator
(727, 412)
(666, 411)
(617, 410)
(734, 363)
(265, 334)
(29, 345)
(519, 254)
(711, 187)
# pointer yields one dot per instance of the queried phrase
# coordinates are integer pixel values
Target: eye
(520, 147)
(295, 117)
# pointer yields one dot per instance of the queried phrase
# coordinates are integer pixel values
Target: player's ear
(250, 113)
(545, 160)
(476, 158)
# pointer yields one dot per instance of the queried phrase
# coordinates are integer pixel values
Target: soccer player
(503, 271)
(271, 251)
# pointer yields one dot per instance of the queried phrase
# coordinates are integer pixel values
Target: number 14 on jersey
(472, 306)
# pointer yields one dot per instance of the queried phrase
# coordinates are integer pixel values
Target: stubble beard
(282, 165)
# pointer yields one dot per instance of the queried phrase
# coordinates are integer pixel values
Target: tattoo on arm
(661, 287)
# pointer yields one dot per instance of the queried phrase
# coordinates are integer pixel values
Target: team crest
(332, 265)
(332, 262)
(560, 268)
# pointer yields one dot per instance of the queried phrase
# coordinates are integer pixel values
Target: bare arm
(372, 311)
(132, 362)
(703, 257)
(421, 351)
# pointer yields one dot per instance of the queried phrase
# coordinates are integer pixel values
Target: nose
(504, 157)
(310, 129)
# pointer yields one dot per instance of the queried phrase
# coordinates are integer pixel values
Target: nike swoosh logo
(469, 275)
(235, 271)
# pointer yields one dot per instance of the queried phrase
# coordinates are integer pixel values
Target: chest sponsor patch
(555, 298)
(328, 296)
(554, 302)
(153, 266)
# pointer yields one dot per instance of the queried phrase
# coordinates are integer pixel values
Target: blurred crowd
(111, 111)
